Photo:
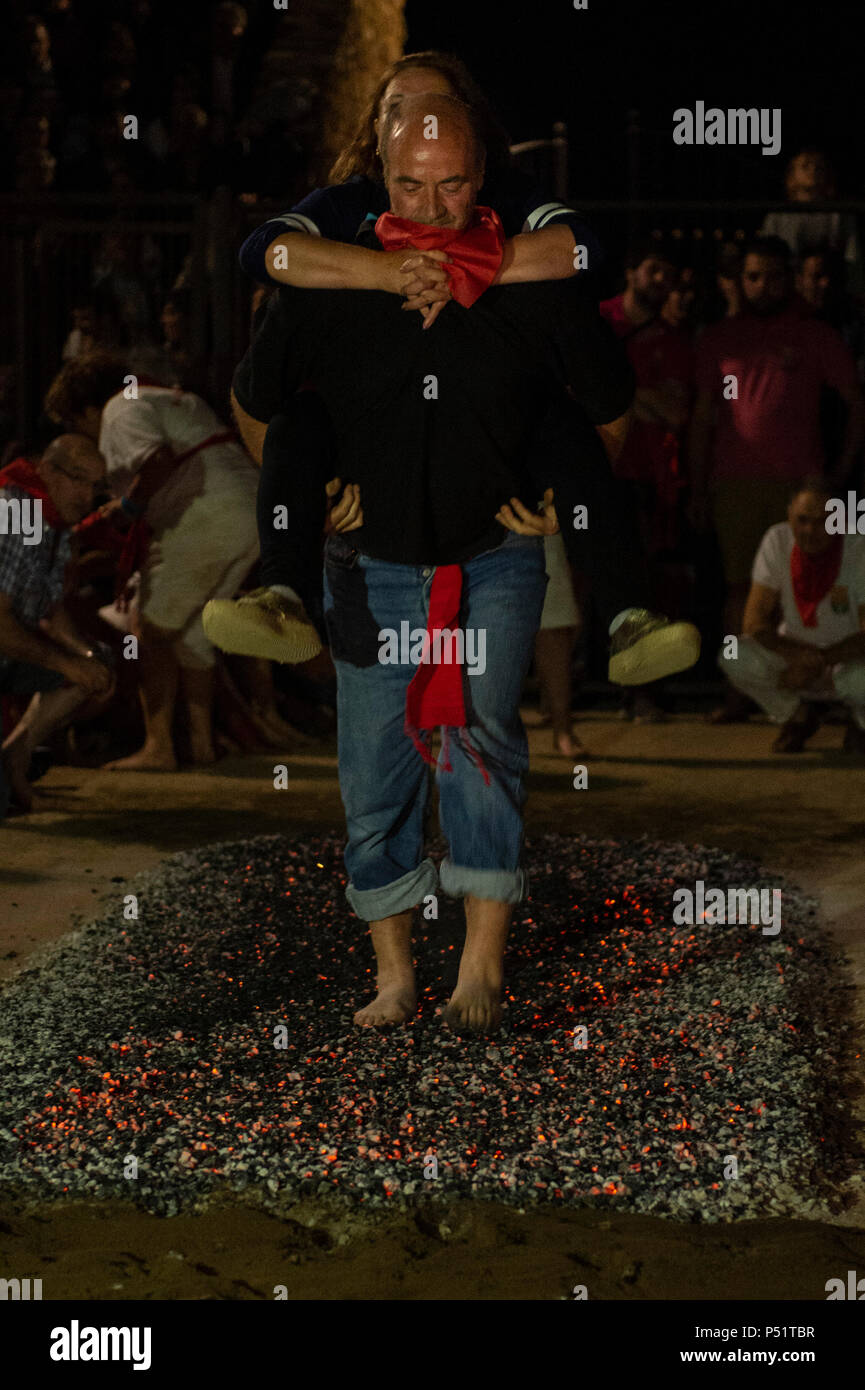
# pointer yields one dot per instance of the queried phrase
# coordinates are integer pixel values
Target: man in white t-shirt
(815, 582)
(171, 462)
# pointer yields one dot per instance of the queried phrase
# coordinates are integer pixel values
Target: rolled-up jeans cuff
(374, 904)
(497, 885)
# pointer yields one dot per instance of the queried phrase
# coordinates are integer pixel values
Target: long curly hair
(361, 157)
(84, 381)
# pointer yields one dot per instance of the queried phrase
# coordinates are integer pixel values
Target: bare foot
(145, 760)
(567, 745)
(202, 754)
(475, 1005)
(393, 1004)
(16, 761)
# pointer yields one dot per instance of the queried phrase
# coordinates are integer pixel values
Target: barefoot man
(433, 602)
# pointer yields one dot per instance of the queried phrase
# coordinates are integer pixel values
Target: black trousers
(564, 454)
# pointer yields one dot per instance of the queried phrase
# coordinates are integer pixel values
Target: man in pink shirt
(756, 422)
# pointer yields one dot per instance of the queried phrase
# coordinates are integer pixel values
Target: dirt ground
(800, 816)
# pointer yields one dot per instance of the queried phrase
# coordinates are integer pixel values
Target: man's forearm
(61, 630)
(544, 255)
(314, 263)
(153, 474)
(852, 648)
(18, 643)
(252, 431)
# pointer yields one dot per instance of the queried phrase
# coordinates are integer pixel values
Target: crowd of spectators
(75, 72)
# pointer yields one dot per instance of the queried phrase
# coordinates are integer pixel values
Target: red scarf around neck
(813, 576)
(475, 253)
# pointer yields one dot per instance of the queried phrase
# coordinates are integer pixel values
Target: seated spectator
(817, 651)
(191, 490)
(810, 179)
(41, 653)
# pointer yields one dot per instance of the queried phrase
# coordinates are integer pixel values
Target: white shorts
(205, 554)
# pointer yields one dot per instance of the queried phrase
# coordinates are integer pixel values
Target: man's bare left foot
(475, 1005)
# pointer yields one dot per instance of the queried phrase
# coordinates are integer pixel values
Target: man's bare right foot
(392, 1004)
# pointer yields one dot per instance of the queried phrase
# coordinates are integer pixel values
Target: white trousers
(755, 672)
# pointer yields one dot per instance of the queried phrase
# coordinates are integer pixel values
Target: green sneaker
(264, 624)
(646, 646)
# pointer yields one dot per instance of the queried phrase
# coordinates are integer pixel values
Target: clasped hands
(347, 513)
(420, 278)
(806, 667)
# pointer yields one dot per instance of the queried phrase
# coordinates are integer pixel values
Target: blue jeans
(383, 778)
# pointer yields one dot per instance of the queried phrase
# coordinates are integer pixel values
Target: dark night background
(544, 61)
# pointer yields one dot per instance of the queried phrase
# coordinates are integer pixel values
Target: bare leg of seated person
(47, 711)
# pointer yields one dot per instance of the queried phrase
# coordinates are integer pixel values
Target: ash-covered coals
(145, 1059)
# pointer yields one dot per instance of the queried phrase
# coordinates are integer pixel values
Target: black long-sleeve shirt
(434, 425)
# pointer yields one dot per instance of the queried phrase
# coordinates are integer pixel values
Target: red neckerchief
(813, 576)
(475, 253)
(22, 473)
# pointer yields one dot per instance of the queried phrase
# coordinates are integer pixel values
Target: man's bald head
(433, 160)
(72, 470)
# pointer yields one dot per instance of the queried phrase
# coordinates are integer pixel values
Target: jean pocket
(340, 553)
